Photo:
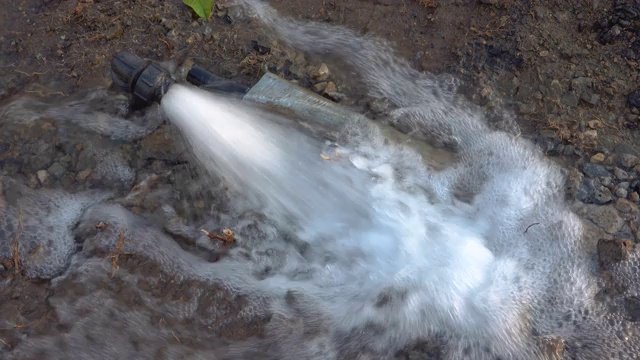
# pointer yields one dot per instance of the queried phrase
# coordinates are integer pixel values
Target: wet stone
(628, 160)
(632, 308)
(379, 106)
(83, 175)
(586, 189)
(606, 218)
(57, 170)
(321, 73)
(620, 174)
(42, 176)
(626, 206)
(594, 170)
(611, 252)
(621, 192)
(597, 158)
(602, 196)
(319, 87)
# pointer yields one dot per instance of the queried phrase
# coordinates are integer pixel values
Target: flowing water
(352, 248)
(401, 251)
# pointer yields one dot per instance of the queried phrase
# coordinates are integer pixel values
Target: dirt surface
(568, 69)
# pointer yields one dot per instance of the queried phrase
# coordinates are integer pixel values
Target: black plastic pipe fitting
(148, 81)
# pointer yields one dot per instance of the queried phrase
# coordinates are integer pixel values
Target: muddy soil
(567, 69)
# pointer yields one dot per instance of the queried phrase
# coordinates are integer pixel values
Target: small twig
(527, 229)
(174, 335)
(116, 253)
(166, 43)
(16, 244)
(33, 73)
(43, 94)
(5, 344)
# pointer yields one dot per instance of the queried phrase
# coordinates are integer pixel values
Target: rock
(606, 218)
(321, 73)
(625, 185)
(626, 206)
(42, 175)
(586, 189)
(621, 192)
(611, 252)
(620, 174)
(597, 158)
(297, 71)
(379, 106)
(57, 170)
(319, 87)
(330, 88)
(594, 124)
(581, 84)
(606, 181)
(628, 160)
(633, 99)
(159, 145)
(83, 175)
(634, 197)
(569, 99)
(591, 134)
(632, 308)
(590, 98)
(594, 170)
(602, 196)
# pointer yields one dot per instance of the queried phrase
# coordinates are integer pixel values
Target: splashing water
(398, 251)
(363, 252)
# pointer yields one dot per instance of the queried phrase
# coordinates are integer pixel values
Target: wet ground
(568, 69)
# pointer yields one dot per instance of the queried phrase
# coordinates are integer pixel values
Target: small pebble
(83, 175)
(621, 193)
(597, 158)
(330, 88)
(620, 174)
(634, 197)
(594, 124)
(319, 87)
(320, 74)
(42, 175)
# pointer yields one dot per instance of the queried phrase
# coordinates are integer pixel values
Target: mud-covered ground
(568, 69)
